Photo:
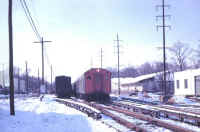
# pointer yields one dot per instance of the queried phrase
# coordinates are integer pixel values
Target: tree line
(180, 56)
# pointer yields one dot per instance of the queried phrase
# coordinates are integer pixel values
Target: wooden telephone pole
(42, 46)
(51, 77)
(10, 32)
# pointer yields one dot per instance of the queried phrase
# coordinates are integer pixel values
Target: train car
(93, 85)
(63, 86)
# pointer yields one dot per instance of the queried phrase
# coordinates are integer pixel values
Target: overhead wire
(47, 59)
(29, 18)
(33, 26)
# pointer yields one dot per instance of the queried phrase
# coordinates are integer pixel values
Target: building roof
(129, 80)
(189, 71)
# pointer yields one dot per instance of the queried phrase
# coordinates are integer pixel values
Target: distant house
(19, 85)
(187, 82)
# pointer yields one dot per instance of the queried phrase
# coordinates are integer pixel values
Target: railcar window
(89, 78)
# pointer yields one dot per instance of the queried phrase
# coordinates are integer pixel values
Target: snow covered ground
(31, 115)
(179, 100)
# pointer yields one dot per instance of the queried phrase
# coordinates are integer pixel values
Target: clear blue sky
(79, 28)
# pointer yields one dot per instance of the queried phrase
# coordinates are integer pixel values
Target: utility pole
(118, 72)
(163, 26)
(101, 57)
(3, 76)
(19, 80)
(39, 80)
(51, 77)
(42, 46)
(26, 77)
(91, 62)
(10, 32)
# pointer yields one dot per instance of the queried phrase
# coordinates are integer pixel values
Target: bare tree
(195, 58)
(113, 71)
(180, 52)
(129, 72)
(146, 68)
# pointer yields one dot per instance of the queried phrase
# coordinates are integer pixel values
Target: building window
(186, 83)
(177, 84)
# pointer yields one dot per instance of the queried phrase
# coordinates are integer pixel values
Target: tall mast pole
(10, 32)
(118, 64)
(163, 16)
(164, 56)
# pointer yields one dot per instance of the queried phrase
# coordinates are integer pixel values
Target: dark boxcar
(63, 86)
(94, 84)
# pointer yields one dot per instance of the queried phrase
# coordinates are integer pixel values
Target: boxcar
(94, 84)
(63, 86)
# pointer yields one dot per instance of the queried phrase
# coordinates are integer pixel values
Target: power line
(47, 58)
(30, 19)
(35, 30)
(48, 61)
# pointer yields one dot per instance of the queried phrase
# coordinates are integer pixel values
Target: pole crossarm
(42, 41)
(161, 26)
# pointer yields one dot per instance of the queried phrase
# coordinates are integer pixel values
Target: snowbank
(33, 115)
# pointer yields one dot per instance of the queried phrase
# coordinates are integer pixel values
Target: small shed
(140, 83)
(187, 82)
(149, 83)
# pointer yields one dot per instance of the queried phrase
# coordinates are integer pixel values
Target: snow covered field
(46, 116)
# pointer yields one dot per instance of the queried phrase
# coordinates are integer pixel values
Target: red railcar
(94, 84)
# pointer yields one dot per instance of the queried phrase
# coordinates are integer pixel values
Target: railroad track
(149, 119)
(194, 98)
(85, 108)
(91, 112)
(81, 106)
(88, 108)
(161, 111)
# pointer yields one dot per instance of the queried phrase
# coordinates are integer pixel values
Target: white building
(187, 82)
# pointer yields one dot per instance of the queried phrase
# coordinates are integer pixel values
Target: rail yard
(90, 94)
(141, 117)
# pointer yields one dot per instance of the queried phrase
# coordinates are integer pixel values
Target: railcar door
(98, 82)
(197, 85)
